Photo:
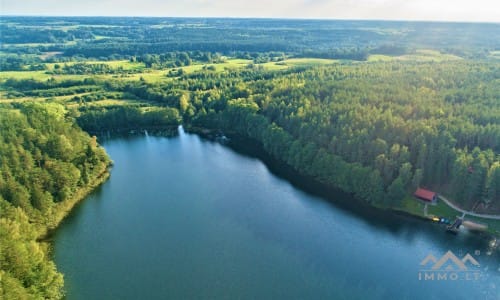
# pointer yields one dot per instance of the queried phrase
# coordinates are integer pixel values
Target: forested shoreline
(400, 124)
(405, 152)
(375, 109)
(47, 165)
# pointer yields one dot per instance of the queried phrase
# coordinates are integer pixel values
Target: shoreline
(64, 208)
(167, 131)
(213, 134)
(67, 206)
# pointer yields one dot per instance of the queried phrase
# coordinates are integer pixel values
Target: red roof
(425, 194)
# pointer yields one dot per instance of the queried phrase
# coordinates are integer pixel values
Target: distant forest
(113, 38)
(375, 109)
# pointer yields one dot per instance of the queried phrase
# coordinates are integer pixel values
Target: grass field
(442, 210)
(109, 102)
(419, 55)
(409, 204)
(155, 75)
(380, 57)
(37, 75)
(416, 207)
(300, 62)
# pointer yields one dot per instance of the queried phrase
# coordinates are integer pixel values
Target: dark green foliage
(409, 123)
(393, 123)
(136, 37)
(125, 118)
(85, 69)
(13, 62)
(30, 85)
(172, 59)
(375, 130)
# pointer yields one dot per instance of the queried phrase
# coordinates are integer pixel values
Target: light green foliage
(27, 272)
(43, 158)
(412, 121)
(419, 55)
(376, 129)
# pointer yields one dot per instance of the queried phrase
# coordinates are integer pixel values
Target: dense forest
(126, 118)
(375, 109)
(114, 38)
(398, 125)
(46, 162)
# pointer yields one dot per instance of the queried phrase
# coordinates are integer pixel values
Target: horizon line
(249, 18)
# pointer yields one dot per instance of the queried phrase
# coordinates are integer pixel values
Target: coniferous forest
(375, 109)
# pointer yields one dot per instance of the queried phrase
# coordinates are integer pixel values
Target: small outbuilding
(425, 195)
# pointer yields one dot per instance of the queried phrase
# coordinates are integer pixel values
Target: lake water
(187, 218)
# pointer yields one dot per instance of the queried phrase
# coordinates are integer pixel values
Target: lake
(188, 218)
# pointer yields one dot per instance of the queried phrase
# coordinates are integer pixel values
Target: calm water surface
(186, 218)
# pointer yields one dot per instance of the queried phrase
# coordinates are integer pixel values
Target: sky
(438, 10)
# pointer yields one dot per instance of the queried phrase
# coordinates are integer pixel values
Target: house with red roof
(425, 195)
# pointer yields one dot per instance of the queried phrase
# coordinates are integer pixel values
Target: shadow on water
(169, 132)
(74, 212)
(403, 226)
(324, 238)
(95, 194)
(387, 220)
(398, 224)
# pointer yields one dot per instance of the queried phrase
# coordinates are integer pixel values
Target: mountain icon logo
(449, 262)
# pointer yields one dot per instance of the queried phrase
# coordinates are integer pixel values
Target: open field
(109, 102)
(370, 108)
(419, 55)
(416, 207)
(158, 75)
(300, 62)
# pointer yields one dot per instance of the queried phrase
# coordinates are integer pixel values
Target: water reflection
(186, 217)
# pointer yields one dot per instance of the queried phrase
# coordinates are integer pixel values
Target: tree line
(125, 37)
(125, 118)
(376, 130)
(408, 124)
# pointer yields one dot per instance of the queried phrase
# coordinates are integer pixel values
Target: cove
(187, 218)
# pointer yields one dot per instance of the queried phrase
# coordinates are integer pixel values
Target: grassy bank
(415, 207)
